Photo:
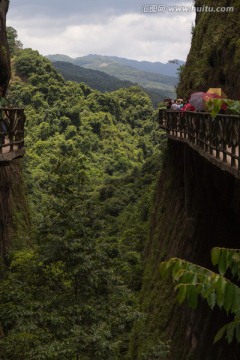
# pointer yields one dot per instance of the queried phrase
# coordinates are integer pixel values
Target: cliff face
(197, 207)
(14, 212)
(214, 58)
(14, 216)
(190, 218)
(4, 53)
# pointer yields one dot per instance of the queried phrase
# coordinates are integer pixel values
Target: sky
(132, 29)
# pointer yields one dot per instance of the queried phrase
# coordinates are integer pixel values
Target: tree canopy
(90, 169)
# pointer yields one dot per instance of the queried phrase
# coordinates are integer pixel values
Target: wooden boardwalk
(218, 140)
(12, 131)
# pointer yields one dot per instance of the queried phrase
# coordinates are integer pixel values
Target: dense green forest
(90, 170)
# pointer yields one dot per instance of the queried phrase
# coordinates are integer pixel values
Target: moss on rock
(213, 60)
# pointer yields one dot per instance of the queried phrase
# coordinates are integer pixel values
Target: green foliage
(13, 43)
(90, 170)
(193, 281)
(28, 62)
(215, 105)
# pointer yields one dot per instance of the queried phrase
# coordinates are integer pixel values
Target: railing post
(14, 119)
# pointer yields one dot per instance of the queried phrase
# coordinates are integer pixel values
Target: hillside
(101, 81)
(158, 86)
(96, 79)
(90, 170)
(96, 61)
(124, 71)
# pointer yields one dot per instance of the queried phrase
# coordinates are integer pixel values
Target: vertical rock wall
(189, 219)
(4, 52)
(14, 213)
(5, 213)
(214, 57)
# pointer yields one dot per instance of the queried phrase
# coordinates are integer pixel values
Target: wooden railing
(11, 133)
(217, 139)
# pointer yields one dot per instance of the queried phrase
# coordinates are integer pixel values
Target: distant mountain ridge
(103, 82)
(123, 72)
(93, 78)
(99, 62)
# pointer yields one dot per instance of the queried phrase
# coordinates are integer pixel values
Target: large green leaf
(236, 300)
(215, 255)
(223, 263)
(182, 292)
(192, 296)
(220, 334)
(211, 300)
(229, 295)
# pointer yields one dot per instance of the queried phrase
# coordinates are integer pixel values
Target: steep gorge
(197, 207)
(185, 224)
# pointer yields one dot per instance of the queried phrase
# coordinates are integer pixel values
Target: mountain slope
(101, 81)
(96, 79)
(122, 69)
(97, 61)
(158, 86)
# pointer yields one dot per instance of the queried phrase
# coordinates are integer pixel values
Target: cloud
(56, 8)
(104, 30)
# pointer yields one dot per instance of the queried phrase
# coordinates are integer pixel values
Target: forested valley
(70, 282)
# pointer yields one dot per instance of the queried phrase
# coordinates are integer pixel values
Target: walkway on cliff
(12, 122)
(218, 140)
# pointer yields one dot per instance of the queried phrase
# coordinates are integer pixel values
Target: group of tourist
(180, 105)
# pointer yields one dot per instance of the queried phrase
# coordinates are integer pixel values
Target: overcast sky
(125, 28)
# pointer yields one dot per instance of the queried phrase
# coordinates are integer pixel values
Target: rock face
(14, 215)
(14, 212)
(4, 180)
(197, 207)
(4, 53)
(214, 58)
(190, 217)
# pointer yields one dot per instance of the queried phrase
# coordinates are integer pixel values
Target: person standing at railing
(3, 125)
(188, 107)
(175, 106)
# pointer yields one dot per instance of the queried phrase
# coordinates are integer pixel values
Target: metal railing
(216, 139)
(11, 133)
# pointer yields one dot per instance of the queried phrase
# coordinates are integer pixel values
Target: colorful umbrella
(198, 99)
(217, 91)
